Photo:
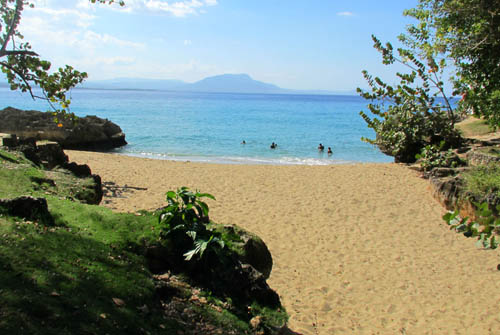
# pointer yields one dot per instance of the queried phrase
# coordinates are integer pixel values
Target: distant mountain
(225, 83)
(232, 83)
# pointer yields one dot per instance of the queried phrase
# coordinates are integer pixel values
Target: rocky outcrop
(28, 208)
(44, 153)
(51, 156)
(448, 191)
(448, 184)
(86, 133)
(252, 250)
(90, 192)
(240, 274)
(484, 157)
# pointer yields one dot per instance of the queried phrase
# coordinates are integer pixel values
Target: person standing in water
(329, 151)
(321, 147)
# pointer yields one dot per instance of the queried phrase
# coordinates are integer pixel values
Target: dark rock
(88, 133)
(221, 272)
(91, 193)
(257, 254)
(50, 154)
(440, 172)
(253, 250)
(79, 170)
(29, 208)
(254, 284)
(8, 140)
(447, 191)
(44, 153)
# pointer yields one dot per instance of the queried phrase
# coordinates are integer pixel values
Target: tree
(24, 68)
(468, 31)
(407, 117)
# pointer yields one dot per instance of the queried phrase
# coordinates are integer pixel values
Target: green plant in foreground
(433, 156)
(486, 228)
(183, 222)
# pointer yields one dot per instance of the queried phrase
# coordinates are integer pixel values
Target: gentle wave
(238, 160)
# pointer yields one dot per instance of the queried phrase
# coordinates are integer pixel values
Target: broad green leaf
(205, 195)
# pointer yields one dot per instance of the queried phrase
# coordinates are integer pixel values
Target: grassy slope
(481, 181)
(474, 128)
(65, 279)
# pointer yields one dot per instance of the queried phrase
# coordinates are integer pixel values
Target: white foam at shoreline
(239, 160)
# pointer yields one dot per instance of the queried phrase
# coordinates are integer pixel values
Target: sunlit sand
(357, 249)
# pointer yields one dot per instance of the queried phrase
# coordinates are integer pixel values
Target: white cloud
(345, 14)
(38, 31)
(176, 8)
(108, 61)
(81, 19)
(179, 9)
(96, 39)
(62, 31)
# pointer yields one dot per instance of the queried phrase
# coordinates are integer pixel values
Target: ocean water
(209, 127)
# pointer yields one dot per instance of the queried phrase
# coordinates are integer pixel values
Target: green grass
(20, 176)
(473, 127)
(62, 279)
(492, 151)
(483, 180)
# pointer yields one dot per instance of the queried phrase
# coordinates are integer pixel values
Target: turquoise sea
(209, 127)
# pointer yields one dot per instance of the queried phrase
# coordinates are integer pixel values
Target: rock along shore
(87, 133)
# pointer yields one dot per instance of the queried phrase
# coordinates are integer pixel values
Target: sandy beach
(357, 249)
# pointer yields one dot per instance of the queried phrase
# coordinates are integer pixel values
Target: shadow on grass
(55, 281)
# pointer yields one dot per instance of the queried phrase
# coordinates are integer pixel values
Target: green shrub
(184, 223)
(407, 116)
(433, 156)
(486, 228)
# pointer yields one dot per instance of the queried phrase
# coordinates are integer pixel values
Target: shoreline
(357, 248)
(244, 160)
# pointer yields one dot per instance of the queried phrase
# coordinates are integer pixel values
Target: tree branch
(20, 75)
(17, 52)
(13, 24)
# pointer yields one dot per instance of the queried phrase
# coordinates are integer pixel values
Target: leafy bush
(409, 117)
(467, 31)
(433, 156)
(486, 228)
(183, 223)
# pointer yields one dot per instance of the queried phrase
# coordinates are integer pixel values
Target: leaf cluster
(407, 116)
(184, 223)
(25, 70)
(486, 228)
(433, 156)
(468, 32)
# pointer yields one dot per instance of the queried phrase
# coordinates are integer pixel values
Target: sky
(295, 44)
